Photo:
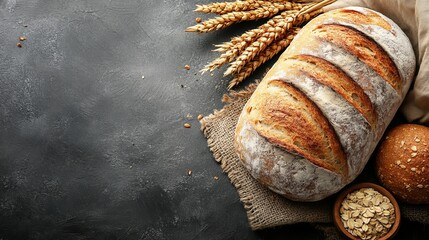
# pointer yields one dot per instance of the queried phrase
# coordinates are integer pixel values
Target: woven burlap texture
(265, 208)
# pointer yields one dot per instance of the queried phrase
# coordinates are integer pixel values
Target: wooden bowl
(337, 218)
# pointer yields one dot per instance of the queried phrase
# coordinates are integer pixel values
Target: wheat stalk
(252, 35)
(253, 48)
(238, 44)
(266, 39)
(226, 7)
(228, 19)
(273, 49)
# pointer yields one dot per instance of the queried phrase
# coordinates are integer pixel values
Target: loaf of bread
(314, 120)
(402, 163)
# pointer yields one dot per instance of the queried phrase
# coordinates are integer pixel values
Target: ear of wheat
(245, 53)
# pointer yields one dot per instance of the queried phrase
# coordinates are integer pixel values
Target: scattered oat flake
(189, 172)
(414, 154)
(187, 67)
(398, 162)
(216, 178)
(420, 186)
(22, 38)
(413, 169)
(187, 125)
(414, 148)
(409, 160)
(402, 144)
(417, 139)
(200, 117)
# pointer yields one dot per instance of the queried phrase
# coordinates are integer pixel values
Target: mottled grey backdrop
(92, 107)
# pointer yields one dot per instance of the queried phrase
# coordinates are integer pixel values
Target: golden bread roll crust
(402, 163)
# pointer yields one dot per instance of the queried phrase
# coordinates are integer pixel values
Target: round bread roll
(402, 163)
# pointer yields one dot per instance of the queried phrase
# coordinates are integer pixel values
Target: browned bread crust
(314, 120)
(364, 48)
(328, 74)
(288, 119)
(402, 163)
(356, 17)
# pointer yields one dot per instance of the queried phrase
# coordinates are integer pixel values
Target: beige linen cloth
(266, 209)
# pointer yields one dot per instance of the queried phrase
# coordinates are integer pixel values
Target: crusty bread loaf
(313, 122)
(402, 163)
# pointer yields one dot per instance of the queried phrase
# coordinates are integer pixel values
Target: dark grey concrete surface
(89, 149)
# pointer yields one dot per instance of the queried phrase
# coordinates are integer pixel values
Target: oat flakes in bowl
(366, 211)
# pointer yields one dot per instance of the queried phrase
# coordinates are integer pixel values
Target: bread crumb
(19, 45)
(216, 178)
(200, 117)
(189, 172)
(187, 67)
(22, 38)
(187, 125)
(198, 19)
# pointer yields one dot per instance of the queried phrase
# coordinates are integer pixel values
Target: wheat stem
(273, 49)
(238, 44)
(227, 19)
(272, 34)
(252, 35)
(226, 7)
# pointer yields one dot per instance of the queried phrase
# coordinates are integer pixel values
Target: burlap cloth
(265, 208)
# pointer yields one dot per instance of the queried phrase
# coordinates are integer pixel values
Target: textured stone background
(91, 150)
